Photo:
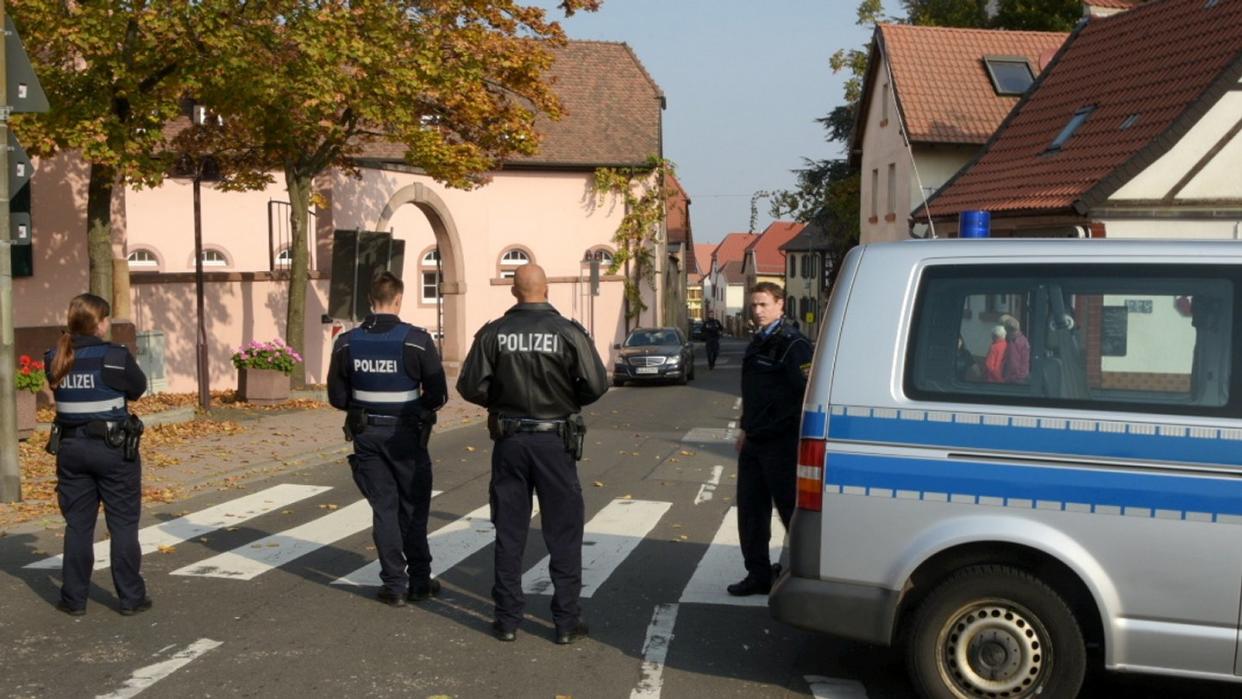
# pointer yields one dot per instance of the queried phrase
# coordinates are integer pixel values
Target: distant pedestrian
(387, 375)
(711, 338)
(95, 440)
(534, 370)
(774, 376)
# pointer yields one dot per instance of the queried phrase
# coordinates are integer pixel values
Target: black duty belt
(97, 429)
(527, 425)
(390, 420)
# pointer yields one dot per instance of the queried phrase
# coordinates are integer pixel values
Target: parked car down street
(653, 354)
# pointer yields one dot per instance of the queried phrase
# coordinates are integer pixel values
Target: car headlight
(673, 361)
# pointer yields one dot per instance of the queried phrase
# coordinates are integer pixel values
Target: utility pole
(22, 93)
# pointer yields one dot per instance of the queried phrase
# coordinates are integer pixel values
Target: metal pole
(200, 346)
(10, 468)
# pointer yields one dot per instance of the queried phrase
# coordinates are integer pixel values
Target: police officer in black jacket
(534, 370)
(387, 376)
(95, 442)
(774, 374)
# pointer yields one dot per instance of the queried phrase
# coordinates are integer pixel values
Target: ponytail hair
(86, 312)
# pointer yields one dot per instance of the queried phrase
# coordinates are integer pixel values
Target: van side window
(1139, 338)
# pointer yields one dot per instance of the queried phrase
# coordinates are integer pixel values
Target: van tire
(1031, 638)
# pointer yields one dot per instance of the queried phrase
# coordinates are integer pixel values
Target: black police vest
(82, 395)
(771, 408)
(377, 372)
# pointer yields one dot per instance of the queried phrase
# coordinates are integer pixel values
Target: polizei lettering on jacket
(78, 381)
(376, 366)
(529, 342)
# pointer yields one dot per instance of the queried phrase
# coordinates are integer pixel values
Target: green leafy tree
(114, 73)
(456, 83)
(644, 193)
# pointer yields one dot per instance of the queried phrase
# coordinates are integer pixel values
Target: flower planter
(262, 386)
(26, 406)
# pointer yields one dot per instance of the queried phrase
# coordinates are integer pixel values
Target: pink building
(537, 209)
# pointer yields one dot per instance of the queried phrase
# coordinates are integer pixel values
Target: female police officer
(95, 442)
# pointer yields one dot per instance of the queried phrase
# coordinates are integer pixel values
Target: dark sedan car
(654, 354)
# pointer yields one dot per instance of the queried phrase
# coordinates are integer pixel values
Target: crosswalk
(610, 537)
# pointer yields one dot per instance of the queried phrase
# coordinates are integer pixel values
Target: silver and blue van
(1022, 456)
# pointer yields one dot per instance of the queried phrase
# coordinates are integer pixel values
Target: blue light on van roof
(974, 224)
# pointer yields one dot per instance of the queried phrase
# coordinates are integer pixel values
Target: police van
(1021, 456)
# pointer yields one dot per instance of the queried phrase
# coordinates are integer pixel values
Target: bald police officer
(388, 376)
(534, 370)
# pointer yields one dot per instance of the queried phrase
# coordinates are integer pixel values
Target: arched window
(511, 259)
(214, 258)
(429, 276)
(284, 258)
(604, 255)
(143, 260)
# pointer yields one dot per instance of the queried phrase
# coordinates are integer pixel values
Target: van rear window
(1138, 338)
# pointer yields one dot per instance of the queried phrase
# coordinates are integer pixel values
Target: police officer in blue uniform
(534, 370)
(387, 375)
(712, 330)
(774, 374)
(95, 440)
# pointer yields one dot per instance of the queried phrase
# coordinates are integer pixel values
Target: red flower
(25, 360)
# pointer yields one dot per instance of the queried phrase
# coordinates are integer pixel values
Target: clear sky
(744, 80)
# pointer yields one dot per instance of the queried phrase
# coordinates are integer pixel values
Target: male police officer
(711, 336)
(774, 373)
(388, 377)
(533, 370)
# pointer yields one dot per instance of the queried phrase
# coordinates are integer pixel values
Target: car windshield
(652, 338)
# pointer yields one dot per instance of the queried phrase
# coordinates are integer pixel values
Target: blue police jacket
(83, 395)
(378, 378)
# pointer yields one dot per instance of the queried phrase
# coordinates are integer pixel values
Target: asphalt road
(248, 600)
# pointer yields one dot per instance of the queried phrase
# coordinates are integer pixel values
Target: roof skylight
(1075, 122)
(1011, 75)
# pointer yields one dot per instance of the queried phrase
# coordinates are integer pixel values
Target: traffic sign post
(23, 94)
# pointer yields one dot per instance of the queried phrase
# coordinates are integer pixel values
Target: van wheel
(995, 631)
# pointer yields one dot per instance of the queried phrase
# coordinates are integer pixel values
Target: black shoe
(139, 608)
(390, 598)
(71, 611)
(750, 586)
(566, 636)
(503, 634)
(423, 590)
(776, 570)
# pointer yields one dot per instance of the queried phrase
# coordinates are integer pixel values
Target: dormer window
(1075, 122)
(1011, 75)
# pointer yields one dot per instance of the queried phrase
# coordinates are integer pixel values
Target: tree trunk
(99, 229)
(299, 187)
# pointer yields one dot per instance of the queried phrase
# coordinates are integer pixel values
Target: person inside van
(965, 366)
(1017, 366)
(994, 363)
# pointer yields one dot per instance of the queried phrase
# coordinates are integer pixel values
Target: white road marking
(226, 514)
(737, 404)
(252, 560)
(608, 539)
(708, 435)
(149, 675)
(450, 545)
(722, 565)
(708, 489)
(834, 688)
(655, 651)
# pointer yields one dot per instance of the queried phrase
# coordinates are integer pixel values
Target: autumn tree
(114, 73)
(457, 84)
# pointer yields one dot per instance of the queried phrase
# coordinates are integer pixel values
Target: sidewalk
(221, 451)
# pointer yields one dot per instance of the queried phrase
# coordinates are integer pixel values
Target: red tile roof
(731, 248)
(703, 260)
(767, 248)
(942, 84)
(1165, 62)
(732, 272)
(611, 111)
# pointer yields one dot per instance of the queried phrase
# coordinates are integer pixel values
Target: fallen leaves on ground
(598, 484)
(166, 549)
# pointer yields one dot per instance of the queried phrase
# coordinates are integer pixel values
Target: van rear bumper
(860, 612)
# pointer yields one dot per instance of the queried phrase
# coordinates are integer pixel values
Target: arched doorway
(453, 285)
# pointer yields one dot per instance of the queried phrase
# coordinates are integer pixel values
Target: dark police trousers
(767, 472)
(538, 462)
(393, 472)
(713, 351)
(88, 471)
